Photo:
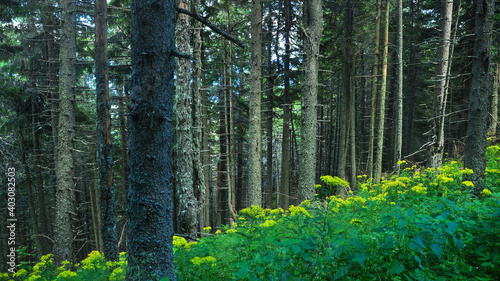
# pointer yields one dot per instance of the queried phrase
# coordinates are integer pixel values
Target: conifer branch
(211, 26)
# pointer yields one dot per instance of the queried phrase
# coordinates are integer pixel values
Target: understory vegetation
(422, 224)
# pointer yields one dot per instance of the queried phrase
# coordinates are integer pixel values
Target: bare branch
(211, 26)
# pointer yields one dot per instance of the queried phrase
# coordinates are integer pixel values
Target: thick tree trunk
(65, 162)
(255, 130)
(475, 141)
(104, 141)
(150, 250)
(437, 147)
(187, 205)
(381, 114)
(313, 27)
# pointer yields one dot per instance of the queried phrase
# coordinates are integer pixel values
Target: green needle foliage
(424, 224)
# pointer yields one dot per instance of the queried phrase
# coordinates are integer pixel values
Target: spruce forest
(249, 140)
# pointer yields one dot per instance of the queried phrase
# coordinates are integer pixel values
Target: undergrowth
(423, 224)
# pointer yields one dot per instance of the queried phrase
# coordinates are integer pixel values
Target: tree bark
(65, 162)
(104, 141)
(187, 205)
(371, 141)
(200, 187)
(475, 141)
(150, 249)
(437, 147)
(313, 26)
(284, 190)
(398, 142)
(255, 130)
(381, 114)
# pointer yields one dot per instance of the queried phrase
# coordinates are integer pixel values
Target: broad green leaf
(437, 249)
(397, 269)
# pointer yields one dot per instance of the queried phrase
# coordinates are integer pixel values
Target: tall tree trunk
(348, 114)
(494, 101)
(398, 139)
(313, 27)
(29, 183)
(475, 141)
(187, 205)
(104, 141)
(150, 249)
(200, 186)
(284, 190)
(437, 148)
(412, 80)
(42, 205)
(255, 130)
(371, 143)
(122, 108)
(270, 104)
(65, 162)
(381, 114)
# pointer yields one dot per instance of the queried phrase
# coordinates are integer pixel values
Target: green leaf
(437, 249)
(341, 272)
(397, 269)
(419, 241)
(451, 227)
(360, 258)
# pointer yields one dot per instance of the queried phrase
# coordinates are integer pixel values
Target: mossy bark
(65, 163)
(150, 234)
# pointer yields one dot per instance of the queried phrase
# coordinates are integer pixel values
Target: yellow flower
(66, 274)
(356, 222)
(401, 162)
(232, 230)
(207, 229)
(294, 211)
(468, 183)
(19, 273)
(208, 259)
(467, 171)
(218, 231)
(392, 203)
(268, 223)
(179, 242)
(486, 192)
(419, 189)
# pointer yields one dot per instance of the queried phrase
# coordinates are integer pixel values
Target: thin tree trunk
(284, 191)
(313, 27)
(270, 104)
(383, 89)
(255, 130)
(398, 143)
(494, 102)
(104, 141)
(29, 183)
(65, 162)
(42, 205)
(200, 186)
(371, 143)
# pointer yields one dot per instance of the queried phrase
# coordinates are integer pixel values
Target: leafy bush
(424, 224)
